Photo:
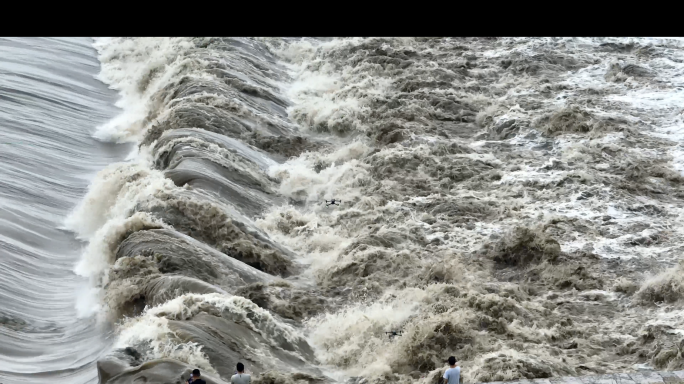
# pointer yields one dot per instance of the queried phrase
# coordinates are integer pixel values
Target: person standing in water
(453, 374)
(241, 377)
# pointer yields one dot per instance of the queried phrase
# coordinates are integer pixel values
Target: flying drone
(391, 334)
(332, 202)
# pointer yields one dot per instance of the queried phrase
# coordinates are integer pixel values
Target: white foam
(112, 194)
(153, 332)
(126, 64)
(328, 97)
(298, 176)
(652, 99)
(98, 255)
(88, 301)
(358, 333)
(235, 308)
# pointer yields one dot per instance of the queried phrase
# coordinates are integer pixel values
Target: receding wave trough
(515, 202)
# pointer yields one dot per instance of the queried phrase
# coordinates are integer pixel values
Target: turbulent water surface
(514, 202)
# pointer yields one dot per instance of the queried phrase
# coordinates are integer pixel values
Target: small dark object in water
(132, 352)
(332, 202)
(393, 333)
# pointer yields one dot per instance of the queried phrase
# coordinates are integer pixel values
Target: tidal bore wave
(514, 202)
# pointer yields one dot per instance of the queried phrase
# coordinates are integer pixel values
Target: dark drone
(391, 334)
(332, 202)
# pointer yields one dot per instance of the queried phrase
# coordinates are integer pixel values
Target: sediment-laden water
(515, 202)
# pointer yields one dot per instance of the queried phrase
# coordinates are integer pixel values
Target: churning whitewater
(514, 202)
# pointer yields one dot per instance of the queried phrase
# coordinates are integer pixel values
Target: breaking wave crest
(502, 200)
